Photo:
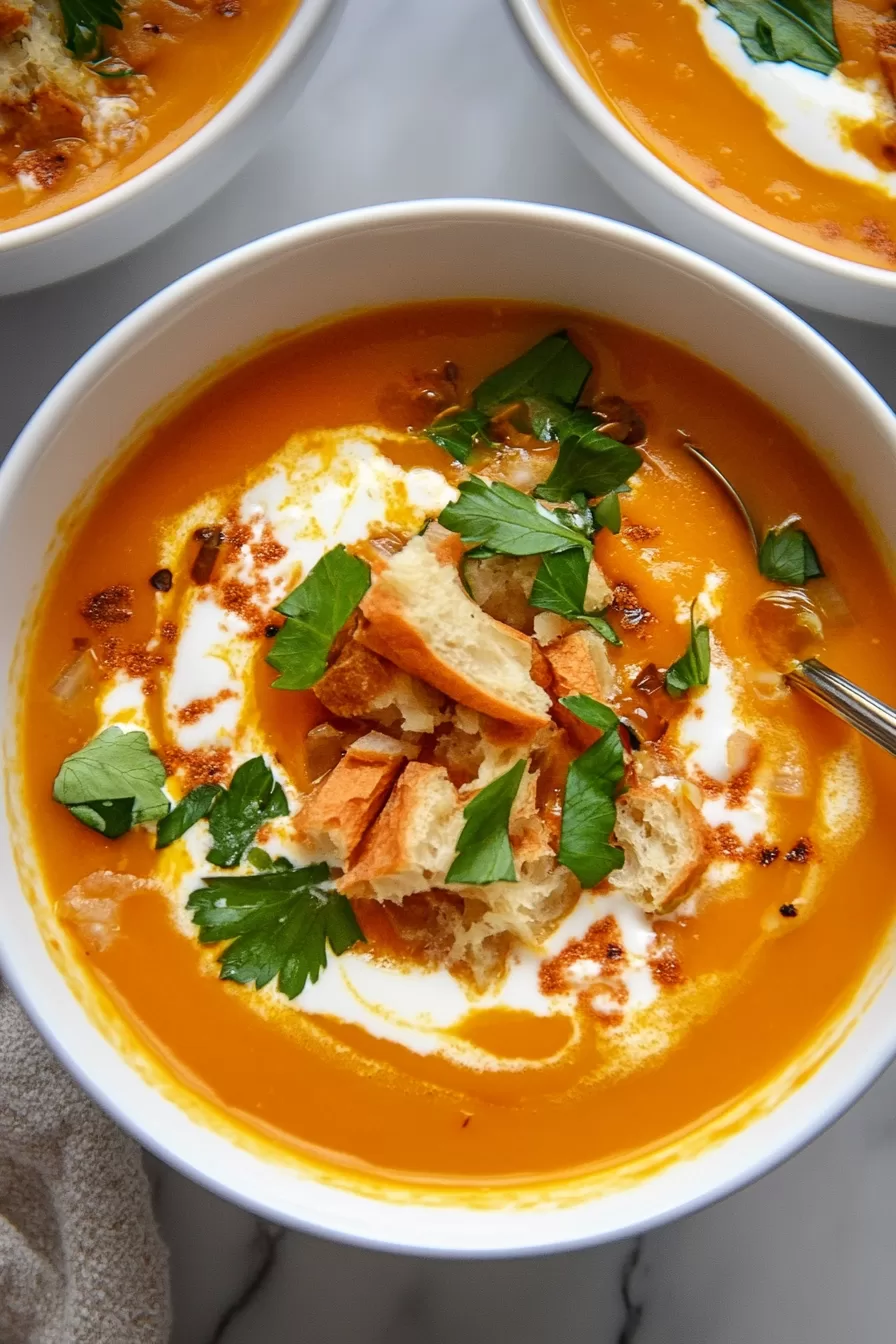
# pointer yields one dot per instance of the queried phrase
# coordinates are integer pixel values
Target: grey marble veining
(436, 98)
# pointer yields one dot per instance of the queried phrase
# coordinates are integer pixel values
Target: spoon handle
(863, 711)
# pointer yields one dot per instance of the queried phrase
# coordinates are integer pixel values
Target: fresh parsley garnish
(483, 847)
(261, 860)
(552, 369)
(113, 783)
(507, 521)
(607, 512)
(195, 805)
(788, 556)
(801, 31)
(254, 797)
(588, 462)
(460, 433)
(560, 586)
(692, 668)
(83, 20)
(277, 923)
(589, 810)
(315, 613)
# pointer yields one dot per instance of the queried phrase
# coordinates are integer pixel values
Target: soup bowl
(365, 259)
(682, 211)
(144, 205)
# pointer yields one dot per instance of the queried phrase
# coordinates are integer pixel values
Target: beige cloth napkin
(81, 1261)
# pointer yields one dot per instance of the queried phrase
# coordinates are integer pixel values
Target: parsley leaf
(254, 796)
(607, 513)
(801, 31)
(507, 521)
(553, 369)
(113, 783)
(483, 848)
(589, 462)
(195, 805)
(279, 922)
(589, 812)
(316, 611)
(459, 434)
(83, 20)
(788, 556)
(692, 668)
(560, 585)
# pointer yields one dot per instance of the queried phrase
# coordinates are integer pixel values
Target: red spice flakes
(45, 166)
(134, 659)
(801, 851)
(666, 971)
(625, 601)
(602, 943)
(229, 9)
(240, 598)
(267, 551)
(768, 856)
(639, 532)
(205, 765)
(110, 606)
(168, 631)
(197, 709)
(876, 235)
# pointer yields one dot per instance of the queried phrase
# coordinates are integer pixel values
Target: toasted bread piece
(411, 845)
(362, 685)
(581, 666)
(418, 616)
(333, 818)
(598, 593)
(501, 585)
(666, 844)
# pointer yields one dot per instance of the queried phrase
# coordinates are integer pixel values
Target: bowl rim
(300, 31)
(545, 42)
(160, 311)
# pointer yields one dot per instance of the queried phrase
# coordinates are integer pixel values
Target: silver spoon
(858, 708)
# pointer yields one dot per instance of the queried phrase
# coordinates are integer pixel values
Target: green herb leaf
(801, 31)
(280, 923)
(460, 434)
(560, 585)
(483, 848)
(553, 369)
(507, 521)
(316, 611)
(589, 812)
(195, 805)
(115, 767)
(588, 461)
(261, 859)
(692, 668)
(591, 711)
(254, 797)
(788, 556)
(607, 513)
(83, 20)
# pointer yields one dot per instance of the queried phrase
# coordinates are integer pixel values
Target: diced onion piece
(788, 780)
(325, 746)
(79, 675)
(741, 751)
(769, 685)
(829, 600)
(93, 905)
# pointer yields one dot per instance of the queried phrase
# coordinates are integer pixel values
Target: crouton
(478, 749)
(580, 666)
(334, 817)
(598, 593)
(361, 684)
(502, 584)
(412, 843)
(418, 616)
(665, 841)
(548, 626)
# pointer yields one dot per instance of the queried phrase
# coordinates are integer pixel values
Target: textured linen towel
(81, 1261)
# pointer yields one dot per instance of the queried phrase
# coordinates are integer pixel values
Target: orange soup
(795, 131)
(85, 105)
(409, 755)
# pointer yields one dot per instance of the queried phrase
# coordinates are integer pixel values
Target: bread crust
(335, 816)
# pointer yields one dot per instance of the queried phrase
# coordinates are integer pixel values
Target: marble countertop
(423, 98)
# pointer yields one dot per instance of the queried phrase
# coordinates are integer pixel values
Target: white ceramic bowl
(145, 205)
(391, 254)
(687, 214)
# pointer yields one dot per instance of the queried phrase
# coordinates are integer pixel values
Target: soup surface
(805, 146)
(587, 868)
(86, 104)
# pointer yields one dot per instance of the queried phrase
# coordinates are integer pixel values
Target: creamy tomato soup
(408, 755)
(94, 93)
(791, 125)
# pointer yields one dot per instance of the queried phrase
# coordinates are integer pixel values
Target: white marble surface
(436, 98)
